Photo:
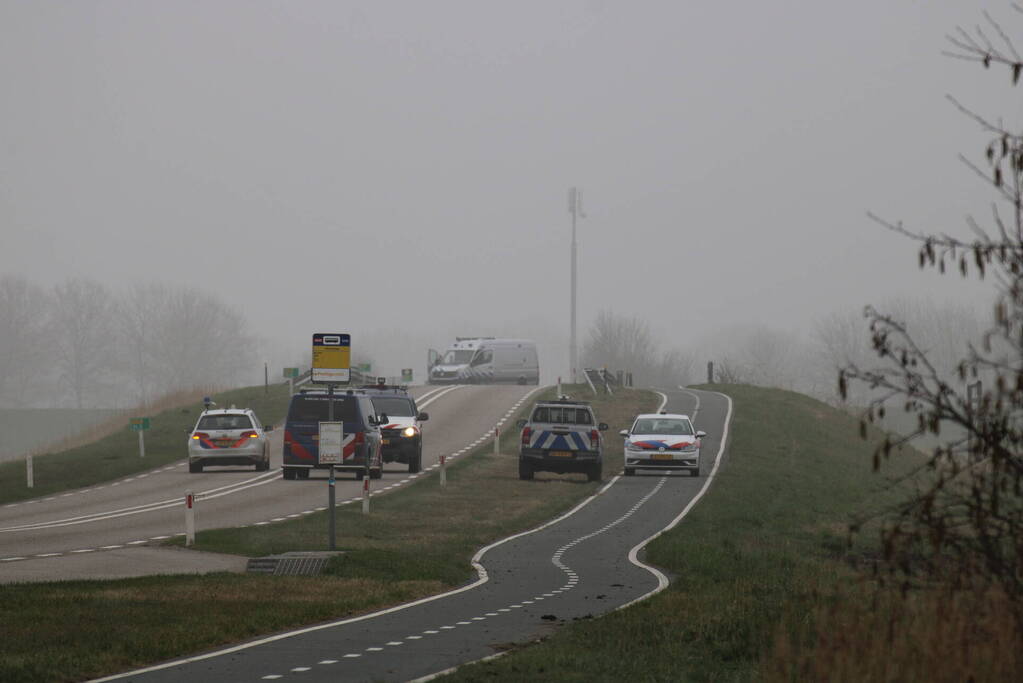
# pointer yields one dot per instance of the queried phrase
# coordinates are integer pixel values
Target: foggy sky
(399, 170)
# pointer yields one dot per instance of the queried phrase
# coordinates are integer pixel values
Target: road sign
(331, 442)
(137, 424)
(331, 357)
(290, 373)
(365, 368)
(406, 374)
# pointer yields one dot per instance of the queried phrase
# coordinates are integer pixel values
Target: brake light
(526, 432)
(200, 435)
(594, 439)
(251, 434)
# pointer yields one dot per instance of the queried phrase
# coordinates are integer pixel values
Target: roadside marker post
(559, 388)
(28, 470)
(365, 495)
(443, 472)
(189, 518)
(331, 366)
(497, 440)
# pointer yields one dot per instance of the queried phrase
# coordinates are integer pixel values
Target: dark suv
(561, 436)
(403, 432)
(361, 443)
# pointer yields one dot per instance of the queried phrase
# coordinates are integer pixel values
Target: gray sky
(399, 169)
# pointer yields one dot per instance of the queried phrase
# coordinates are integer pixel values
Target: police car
(662, 441)
(561, 436)
(402, 434)
(228, 436)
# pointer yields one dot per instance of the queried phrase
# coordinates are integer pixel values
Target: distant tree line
(81, 344)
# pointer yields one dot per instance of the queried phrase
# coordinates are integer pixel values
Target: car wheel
(288, 472)
(595, 472)
(195, 467)
(694, 473)
(376, 474)
(302, 473)
(359, 474)
(630, 471)
(525, 471)
(415, 462)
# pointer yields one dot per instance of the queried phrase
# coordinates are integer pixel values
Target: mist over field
(400, 171)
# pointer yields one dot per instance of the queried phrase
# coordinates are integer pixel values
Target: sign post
(291, 374)
(189, 518)
(332, 352)
(140, 425)
(406, 375)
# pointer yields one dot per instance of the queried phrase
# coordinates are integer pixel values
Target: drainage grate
(291, 564)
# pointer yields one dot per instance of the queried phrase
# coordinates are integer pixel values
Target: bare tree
(24, 308)
(138, 312)
(965, 525)
(83, 335)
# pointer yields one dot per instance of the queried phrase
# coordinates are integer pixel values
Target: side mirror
(372, 420)
(423, 417)
(624, 432)
(700, 435)
(520, 424)
(382, 419)
(602, 426)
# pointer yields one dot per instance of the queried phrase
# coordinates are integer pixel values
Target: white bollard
(497, 440)
(443, 472)
(365, 495)
(142, 445)
(189, 518)
(28, 468)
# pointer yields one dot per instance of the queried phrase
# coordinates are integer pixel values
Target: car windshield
(225, 422)
(314, 409)
(393, 407)
(457, 357)
(565, 415)
(652, 425)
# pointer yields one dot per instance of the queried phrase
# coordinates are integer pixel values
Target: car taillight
(594, 439)
(526, 432)
(251, 434)
(200, 435)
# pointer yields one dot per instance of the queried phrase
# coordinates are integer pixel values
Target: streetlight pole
(575, 203)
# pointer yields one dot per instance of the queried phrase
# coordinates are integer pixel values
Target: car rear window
(315, 409)
(225, 422)
(394, 407)
(565, 415)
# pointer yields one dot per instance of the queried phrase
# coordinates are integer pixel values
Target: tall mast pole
(573, 357)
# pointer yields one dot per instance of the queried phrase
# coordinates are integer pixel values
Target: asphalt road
(92, 533)
(586, 563)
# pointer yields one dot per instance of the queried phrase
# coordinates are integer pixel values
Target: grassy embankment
(117, 455)
(762, 571)
(416, 543)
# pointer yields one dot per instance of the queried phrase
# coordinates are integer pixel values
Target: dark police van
(361, 444)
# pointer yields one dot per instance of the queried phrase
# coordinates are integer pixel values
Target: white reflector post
(443, 473)
(28, 470)
(365, 494)
(497, 440)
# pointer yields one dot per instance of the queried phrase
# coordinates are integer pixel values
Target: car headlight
(409, 431)
(690, 448)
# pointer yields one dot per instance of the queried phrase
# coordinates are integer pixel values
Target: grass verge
(766, 546)
(117, 455)
(414, 543)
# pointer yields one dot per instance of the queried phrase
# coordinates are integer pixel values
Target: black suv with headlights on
(403, 432)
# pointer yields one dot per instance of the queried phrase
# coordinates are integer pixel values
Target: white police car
(662, 441)
(229, 436)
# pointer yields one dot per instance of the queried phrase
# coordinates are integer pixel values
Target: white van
(487, 360)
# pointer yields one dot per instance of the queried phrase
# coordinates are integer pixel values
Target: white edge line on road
(480, 571)
(662, 580)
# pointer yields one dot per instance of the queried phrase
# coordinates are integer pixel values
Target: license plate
(561, 454)
(385, 441)
(662, 456)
